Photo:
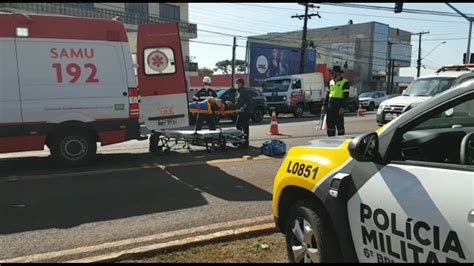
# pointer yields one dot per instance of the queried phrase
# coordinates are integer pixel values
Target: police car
(401, 194)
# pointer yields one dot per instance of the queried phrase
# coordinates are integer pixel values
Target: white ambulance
(69, 82)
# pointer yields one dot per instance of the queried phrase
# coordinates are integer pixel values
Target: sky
(218, 22)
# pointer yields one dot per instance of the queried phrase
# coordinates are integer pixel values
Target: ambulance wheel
(308, 235)
(73, 148)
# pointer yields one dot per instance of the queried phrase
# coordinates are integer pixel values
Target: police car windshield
(276, 85)
(428, 86)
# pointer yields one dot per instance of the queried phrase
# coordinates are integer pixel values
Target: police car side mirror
(365, 147)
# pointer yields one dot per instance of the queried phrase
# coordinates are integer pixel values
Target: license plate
(389, 117)
(271, 108)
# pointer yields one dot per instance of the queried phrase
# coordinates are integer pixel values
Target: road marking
(115, 244)
(122, 255)
(107, 171)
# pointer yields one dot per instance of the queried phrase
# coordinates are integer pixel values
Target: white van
(68, 83)
(294, 93)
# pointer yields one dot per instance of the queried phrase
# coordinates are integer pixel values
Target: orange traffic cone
(360, 111)
(274, 125)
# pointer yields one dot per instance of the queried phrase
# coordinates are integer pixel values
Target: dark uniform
(244, 101)
(336, 102)
(201, 95)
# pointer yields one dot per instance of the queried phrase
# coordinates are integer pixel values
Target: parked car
(372, 99)
(259, 101)
(229, 95)
(353, 104)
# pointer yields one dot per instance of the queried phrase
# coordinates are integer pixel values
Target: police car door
(418, 209)
(161, 79)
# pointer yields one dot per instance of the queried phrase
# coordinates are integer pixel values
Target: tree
(205, 71)
(226, 66)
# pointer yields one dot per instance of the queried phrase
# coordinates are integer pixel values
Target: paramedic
(244, 102)
(336, 102)
(202, 95)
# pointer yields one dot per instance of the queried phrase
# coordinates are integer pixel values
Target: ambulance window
(159, 61)
(438, 139)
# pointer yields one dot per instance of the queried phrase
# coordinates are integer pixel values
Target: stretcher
(212, 106)
(165, 140)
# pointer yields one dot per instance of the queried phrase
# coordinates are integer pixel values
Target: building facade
(369, 50)
(131, 14)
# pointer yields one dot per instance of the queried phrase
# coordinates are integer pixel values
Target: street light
(433, 49)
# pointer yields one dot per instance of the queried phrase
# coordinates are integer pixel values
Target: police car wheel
(308, 236)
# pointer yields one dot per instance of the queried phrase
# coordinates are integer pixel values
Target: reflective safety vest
(336, 90)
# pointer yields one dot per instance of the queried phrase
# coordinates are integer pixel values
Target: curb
(106, 248)
(153, 249)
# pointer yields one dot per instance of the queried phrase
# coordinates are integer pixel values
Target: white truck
(68, 83)
(295, 93)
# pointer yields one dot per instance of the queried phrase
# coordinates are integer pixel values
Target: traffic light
(398, 7)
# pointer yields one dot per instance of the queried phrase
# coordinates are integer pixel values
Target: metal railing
(71, 9)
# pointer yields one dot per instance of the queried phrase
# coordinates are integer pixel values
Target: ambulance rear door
(161, 77)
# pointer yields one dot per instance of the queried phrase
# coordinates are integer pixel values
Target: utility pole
(233, 61)
(306, 16)
(392, 73)
(470, 19)
(418, 62)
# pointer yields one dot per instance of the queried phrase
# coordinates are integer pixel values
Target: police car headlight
(284, 98)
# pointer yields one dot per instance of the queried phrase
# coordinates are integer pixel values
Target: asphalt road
(128, 193)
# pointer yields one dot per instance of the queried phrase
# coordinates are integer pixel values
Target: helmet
(206, 79)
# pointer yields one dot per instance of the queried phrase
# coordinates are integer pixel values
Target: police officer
(336, 102)
(202, 95)
(244, 101)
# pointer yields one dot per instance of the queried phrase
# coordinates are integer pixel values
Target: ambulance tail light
(134, 106)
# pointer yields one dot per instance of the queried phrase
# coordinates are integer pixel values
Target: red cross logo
(157, 61)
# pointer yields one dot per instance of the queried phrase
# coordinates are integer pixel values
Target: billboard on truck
(270, 60)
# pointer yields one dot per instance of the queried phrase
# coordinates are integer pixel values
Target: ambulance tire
(74, 148)
(323, 236)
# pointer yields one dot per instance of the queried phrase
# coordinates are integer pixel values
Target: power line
(405, 10)
(228, 45)
(221, 14)
(360, 15)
